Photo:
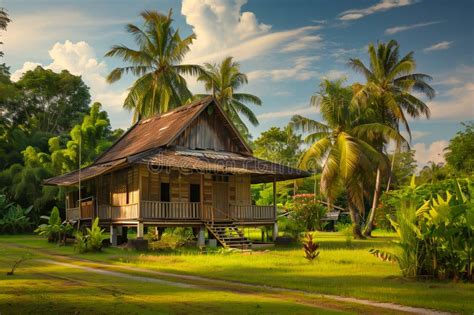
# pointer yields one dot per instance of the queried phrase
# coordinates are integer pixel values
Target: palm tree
(157, 62)
(342, 145)
(390, 82)
(4, 20)
(223, 81)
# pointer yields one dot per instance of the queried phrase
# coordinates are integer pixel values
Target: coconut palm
(390, 82)
(341, 144)
(223, 80)
(157, 62)
(4, 20)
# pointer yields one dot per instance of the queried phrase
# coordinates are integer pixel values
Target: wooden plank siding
(208, 132)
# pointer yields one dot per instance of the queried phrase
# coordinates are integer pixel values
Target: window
(220, 178)
(165, 192)
(194, 193)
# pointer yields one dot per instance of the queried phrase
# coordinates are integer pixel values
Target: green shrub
(55, 230)
(290, 227)
(92, 240)
(13, 217)
(172, 238)
(307, 210)
(436, 238)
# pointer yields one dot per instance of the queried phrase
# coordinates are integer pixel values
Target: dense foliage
(435, 239)
(460, 151)
(91, 241)
(306, 209)
(55, 230)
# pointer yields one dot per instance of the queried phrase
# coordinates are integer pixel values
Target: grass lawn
(339, 270)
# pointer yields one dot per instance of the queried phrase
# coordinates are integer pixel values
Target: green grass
(41, 288)
(340, 270)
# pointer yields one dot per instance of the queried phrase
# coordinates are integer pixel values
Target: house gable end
(211, 130)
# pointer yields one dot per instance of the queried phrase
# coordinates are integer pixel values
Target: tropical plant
(341, 144)
(307, 210)
(92, 240)
(310, 247)
(222, 81)
(390, 82)
(279, 145)
(157, 62)
(435, 239)
(55, 230)
(14, 218)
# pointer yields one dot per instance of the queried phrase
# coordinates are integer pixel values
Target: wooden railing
(72, 214)
(109, 212)
(170, 210)
(87, 209)
(252, 212)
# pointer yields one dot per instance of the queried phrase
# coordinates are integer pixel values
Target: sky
(285, 48)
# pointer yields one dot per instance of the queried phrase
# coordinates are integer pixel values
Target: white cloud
(439, 46)
(34, 32)
(402, 28)
(334, 75)
(287, 113)
(304, 42)
(415, 134)
(27, 66)
(457, 103)
(222, 30)
(384, 5)
(80, 59)
(301, 71)
(433, 152)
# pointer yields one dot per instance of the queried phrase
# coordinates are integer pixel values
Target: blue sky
(285, 47)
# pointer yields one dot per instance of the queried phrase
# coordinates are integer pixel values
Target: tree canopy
(157, 62)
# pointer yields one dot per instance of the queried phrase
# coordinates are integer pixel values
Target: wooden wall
(208, 132)
(123, 187)
(118, 188)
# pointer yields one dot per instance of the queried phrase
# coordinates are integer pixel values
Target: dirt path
(328, 301)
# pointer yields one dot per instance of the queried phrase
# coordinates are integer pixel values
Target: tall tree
(278, 145)
(157, 62)
(390, 82)
(460, 151)
(222, 81)
(50, 102)
(341, 144)
(4, 20)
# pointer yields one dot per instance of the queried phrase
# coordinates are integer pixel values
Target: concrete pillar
(275, 230)
(140, 230)
(201, 237)
(275, 225)
(113, 235)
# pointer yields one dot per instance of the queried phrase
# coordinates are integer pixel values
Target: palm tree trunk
(355, 217)
(370, 221)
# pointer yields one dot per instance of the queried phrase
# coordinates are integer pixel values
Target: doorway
(220, 196)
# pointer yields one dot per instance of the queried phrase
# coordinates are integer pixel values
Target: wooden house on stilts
(188, 167)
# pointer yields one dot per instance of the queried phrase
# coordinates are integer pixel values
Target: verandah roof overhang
(261, 171)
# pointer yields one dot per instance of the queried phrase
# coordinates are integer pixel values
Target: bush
(291, 227)
(13, 218)
(435, 239)
(172, 238)
(92, 240)
(306, 209)
(55, 230)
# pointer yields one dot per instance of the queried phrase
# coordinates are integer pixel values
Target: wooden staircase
(229, 235)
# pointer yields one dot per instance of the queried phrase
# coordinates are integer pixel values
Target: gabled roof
(161, 130)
